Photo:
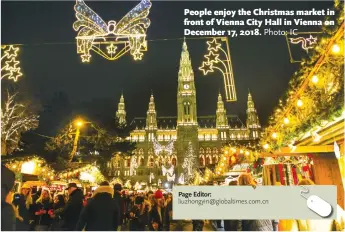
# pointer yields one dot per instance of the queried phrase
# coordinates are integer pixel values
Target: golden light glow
(299, 103)
(79, 122)
(274, 135)
(286, 121)
(266, 146)
(28, 167)
(224, 158)
(241, 151)
(247, 152)
(14, 166)
(9, 63)
(335, 48)
(315, 79)
(223, 64)
(114, 39)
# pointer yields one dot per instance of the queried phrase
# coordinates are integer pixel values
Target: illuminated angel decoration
(158, 148)
(114, 39)
(169, 173)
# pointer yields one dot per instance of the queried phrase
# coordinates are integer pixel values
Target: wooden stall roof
(329, 133)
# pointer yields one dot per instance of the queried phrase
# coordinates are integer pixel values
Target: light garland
(224, 65)
(114, 39)
(189, 162)
(32, 165)
(306, 43)
(9, 63)
(158, 148)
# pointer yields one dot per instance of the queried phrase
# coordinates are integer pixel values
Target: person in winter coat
(72, 209)
(24, 204)
(156, 216)
(59, 203)
(168, 212)
(120, 202)
(8, 216)
(138, 217)
(101, 212)
(43, 206)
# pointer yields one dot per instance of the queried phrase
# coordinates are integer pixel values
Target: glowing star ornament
(206, 67)
(114, 39)
(9, 63)
(306, 43)
(219, 58)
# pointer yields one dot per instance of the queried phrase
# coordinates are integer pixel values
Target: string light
(9, 63)
(299, 103)
(335, 48)
(315, 79)
(118, 38)
(266, 146)
(223, 65)
(274, 135)
(286, 120)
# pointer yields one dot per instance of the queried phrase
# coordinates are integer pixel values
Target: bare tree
(16, 118)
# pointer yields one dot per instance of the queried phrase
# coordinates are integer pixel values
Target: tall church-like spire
(222, 120)
(151, 118)
(185, 72)
(121, 112)
(253, 123)
(186, 92)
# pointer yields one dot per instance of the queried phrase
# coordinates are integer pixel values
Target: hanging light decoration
(315, 79)
(299, 103)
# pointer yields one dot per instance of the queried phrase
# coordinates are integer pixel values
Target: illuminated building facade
(207, 134)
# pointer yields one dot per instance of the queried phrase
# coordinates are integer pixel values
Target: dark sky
(51, 65)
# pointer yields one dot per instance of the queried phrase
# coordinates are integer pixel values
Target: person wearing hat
(101, 212)
(156, 218)
(23, 202)
(72, 209)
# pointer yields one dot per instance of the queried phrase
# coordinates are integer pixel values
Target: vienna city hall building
(205, 134)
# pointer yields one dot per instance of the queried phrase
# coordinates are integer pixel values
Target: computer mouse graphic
(319, 206)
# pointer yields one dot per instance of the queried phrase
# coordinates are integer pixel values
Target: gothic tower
(221, 119)
(121, 112)
(187, 124)
(151, 120)
(253, 123)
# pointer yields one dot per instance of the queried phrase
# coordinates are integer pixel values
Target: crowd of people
(108, 208)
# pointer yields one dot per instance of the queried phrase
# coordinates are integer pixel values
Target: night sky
(55, 78)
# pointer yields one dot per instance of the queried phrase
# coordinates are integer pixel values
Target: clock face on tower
(186, 86)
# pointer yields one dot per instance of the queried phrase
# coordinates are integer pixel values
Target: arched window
(202, 150)
(208, 150)
(128, 163)
(202, 160)
(141, 161)
(215, 159)
(208, 160)
(160, 161)
(174, 161)
(151, 162)
(167, 160)
(215, 150)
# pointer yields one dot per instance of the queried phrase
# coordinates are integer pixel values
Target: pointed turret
(222, 120)
(121, 112)
(185, 72)
(253, 123)
(186, 94)
(151, 118)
